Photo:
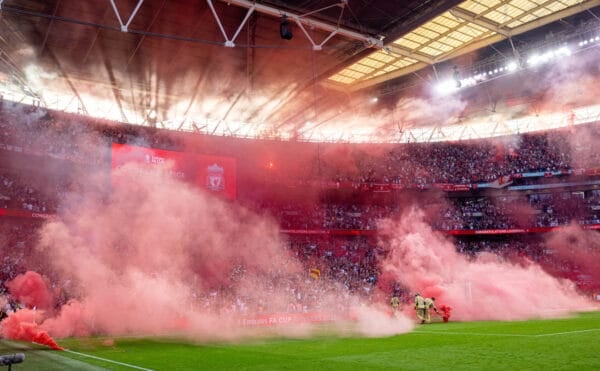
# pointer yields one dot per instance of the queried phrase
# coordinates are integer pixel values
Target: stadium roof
(222, 67)
(464, 28)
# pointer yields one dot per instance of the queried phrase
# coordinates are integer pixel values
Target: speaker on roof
(285, 29)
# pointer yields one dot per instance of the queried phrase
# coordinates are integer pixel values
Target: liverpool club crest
(214, 178)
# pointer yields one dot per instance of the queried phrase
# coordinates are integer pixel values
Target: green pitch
(561, 344)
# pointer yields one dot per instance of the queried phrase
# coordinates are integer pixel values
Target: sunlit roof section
(470, 25)
(378, 63)
(515, 12)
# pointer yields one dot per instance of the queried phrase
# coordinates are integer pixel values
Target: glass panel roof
(469, 22)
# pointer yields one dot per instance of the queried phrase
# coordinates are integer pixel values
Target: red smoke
(446, 312)
(487, 288)
(31, 290)
(21, 325)
(145, 259)
(576, 248)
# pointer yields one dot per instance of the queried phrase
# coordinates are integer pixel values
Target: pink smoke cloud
(31, 290)
(21, 325)
(486, 288)
(138, 261)
(578, 247)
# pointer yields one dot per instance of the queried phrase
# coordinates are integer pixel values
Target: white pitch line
(568, 332)
(108, 360)
(508, 335)
(469, 333)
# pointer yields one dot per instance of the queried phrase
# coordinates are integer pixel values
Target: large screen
(216, 174)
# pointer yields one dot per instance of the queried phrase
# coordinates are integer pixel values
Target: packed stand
(82, 139)
(18, 194)
(465, 213)
(328, 216)
(484, 161)
(526, 250)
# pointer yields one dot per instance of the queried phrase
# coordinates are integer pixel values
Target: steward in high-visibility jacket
(395, 303)
(429, 303)
(420, 307)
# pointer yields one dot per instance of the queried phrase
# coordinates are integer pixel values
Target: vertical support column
(250, 51)
(515, 52)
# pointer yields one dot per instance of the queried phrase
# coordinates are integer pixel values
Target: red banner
(213, 173)
(455, 232)
(454, 187)
(515, 230)
(592, 171)
(335, 232)
(25, 214)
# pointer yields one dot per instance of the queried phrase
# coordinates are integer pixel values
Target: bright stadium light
(538, 59)
(446, 87)
(563, 51)
(512, 66)
(590, 41)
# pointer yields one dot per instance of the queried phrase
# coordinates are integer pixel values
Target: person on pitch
(395, 303)
(429, 303)
(420, 307)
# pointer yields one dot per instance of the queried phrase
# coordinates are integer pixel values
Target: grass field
(560, 344)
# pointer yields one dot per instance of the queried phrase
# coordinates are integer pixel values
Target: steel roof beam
(473, 18)
(396, 49)
(480, 43)
(125, 26)
(567, 12)
(302, 21)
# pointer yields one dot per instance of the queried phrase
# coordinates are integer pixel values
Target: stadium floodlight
(537, 59)
(445, 87)
(590, 41)
(512, 66)
(11, 359)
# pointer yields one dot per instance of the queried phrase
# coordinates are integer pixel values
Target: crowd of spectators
(75, 138)
(83, 139)
(524, 250)
(331, 272)
(534, 210)
(461, 213)
(482, 161)
(327, 216)
(17, 238)
(349, 261)
(18, 194)
(34, 130)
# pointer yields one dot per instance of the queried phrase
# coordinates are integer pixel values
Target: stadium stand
(333, 236)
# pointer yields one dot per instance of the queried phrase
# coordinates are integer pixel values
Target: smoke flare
(487, 288)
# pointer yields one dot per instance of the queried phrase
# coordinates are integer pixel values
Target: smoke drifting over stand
(143, 259)
(137, 259)
(486, 288)
(575, 246)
